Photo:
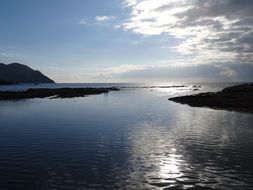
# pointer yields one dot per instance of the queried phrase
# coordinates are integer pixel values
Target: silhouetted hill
(18, 73)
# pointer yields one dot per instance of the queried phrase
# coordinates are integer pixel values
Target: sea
(134, 138)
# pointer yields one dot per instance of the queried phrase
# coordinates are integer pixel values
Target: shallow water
(130, 139)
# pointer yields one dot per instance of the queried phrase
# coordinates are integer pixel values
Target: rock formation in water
(18, 73)
(235, 98)
(53, 93)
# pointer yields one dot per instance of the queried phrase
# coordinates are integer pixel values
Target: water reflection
(154, 156)
(207, 152)
(117, 142)
(169, 166)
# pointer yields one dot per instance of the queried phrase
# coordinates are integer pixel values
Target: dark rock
(3, 82)
(18, 73)
(235, 98)
(54, 93)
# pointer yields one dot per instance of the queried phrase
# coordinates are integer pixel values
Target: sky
(130, 40)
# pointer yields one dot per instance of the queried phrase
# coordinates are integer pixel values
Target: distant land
(19, 73)
(3, 82)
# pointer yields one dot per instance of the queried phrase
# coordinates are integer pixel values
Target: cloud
(125, 68)
(206, 72)
(104, 18)
(162, 71)
(207, 31)
(83, 21)
(226, 71)
(150, 73)
(97, 20)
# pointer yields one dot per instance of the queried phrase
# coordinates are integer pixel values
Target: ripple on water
(109, 142)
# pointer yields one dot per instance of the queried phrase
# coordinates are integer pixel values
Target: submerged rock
(235, 98)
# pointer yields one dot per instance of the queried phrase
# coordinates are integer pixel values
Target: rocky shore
(53, 93)
(3, 82)
(235, 98)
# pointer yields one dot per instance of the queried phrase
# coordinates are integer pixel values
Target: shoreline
(236, 98)
(53, 93)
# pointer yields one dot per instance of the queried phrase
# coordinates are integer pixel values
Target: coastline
(53, 93)
(4, 82)
(236, 98)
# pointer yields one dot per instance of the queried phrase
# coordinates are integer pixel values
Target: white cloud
(226, 71)
(125, 68)
(208, 31)
(96, 20)
(104, 18)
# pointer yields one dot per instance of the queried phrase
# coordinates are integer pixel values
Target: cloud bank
(207, 31)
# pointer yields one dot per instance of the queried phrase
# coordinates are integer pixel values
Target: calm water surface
(131, 139)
